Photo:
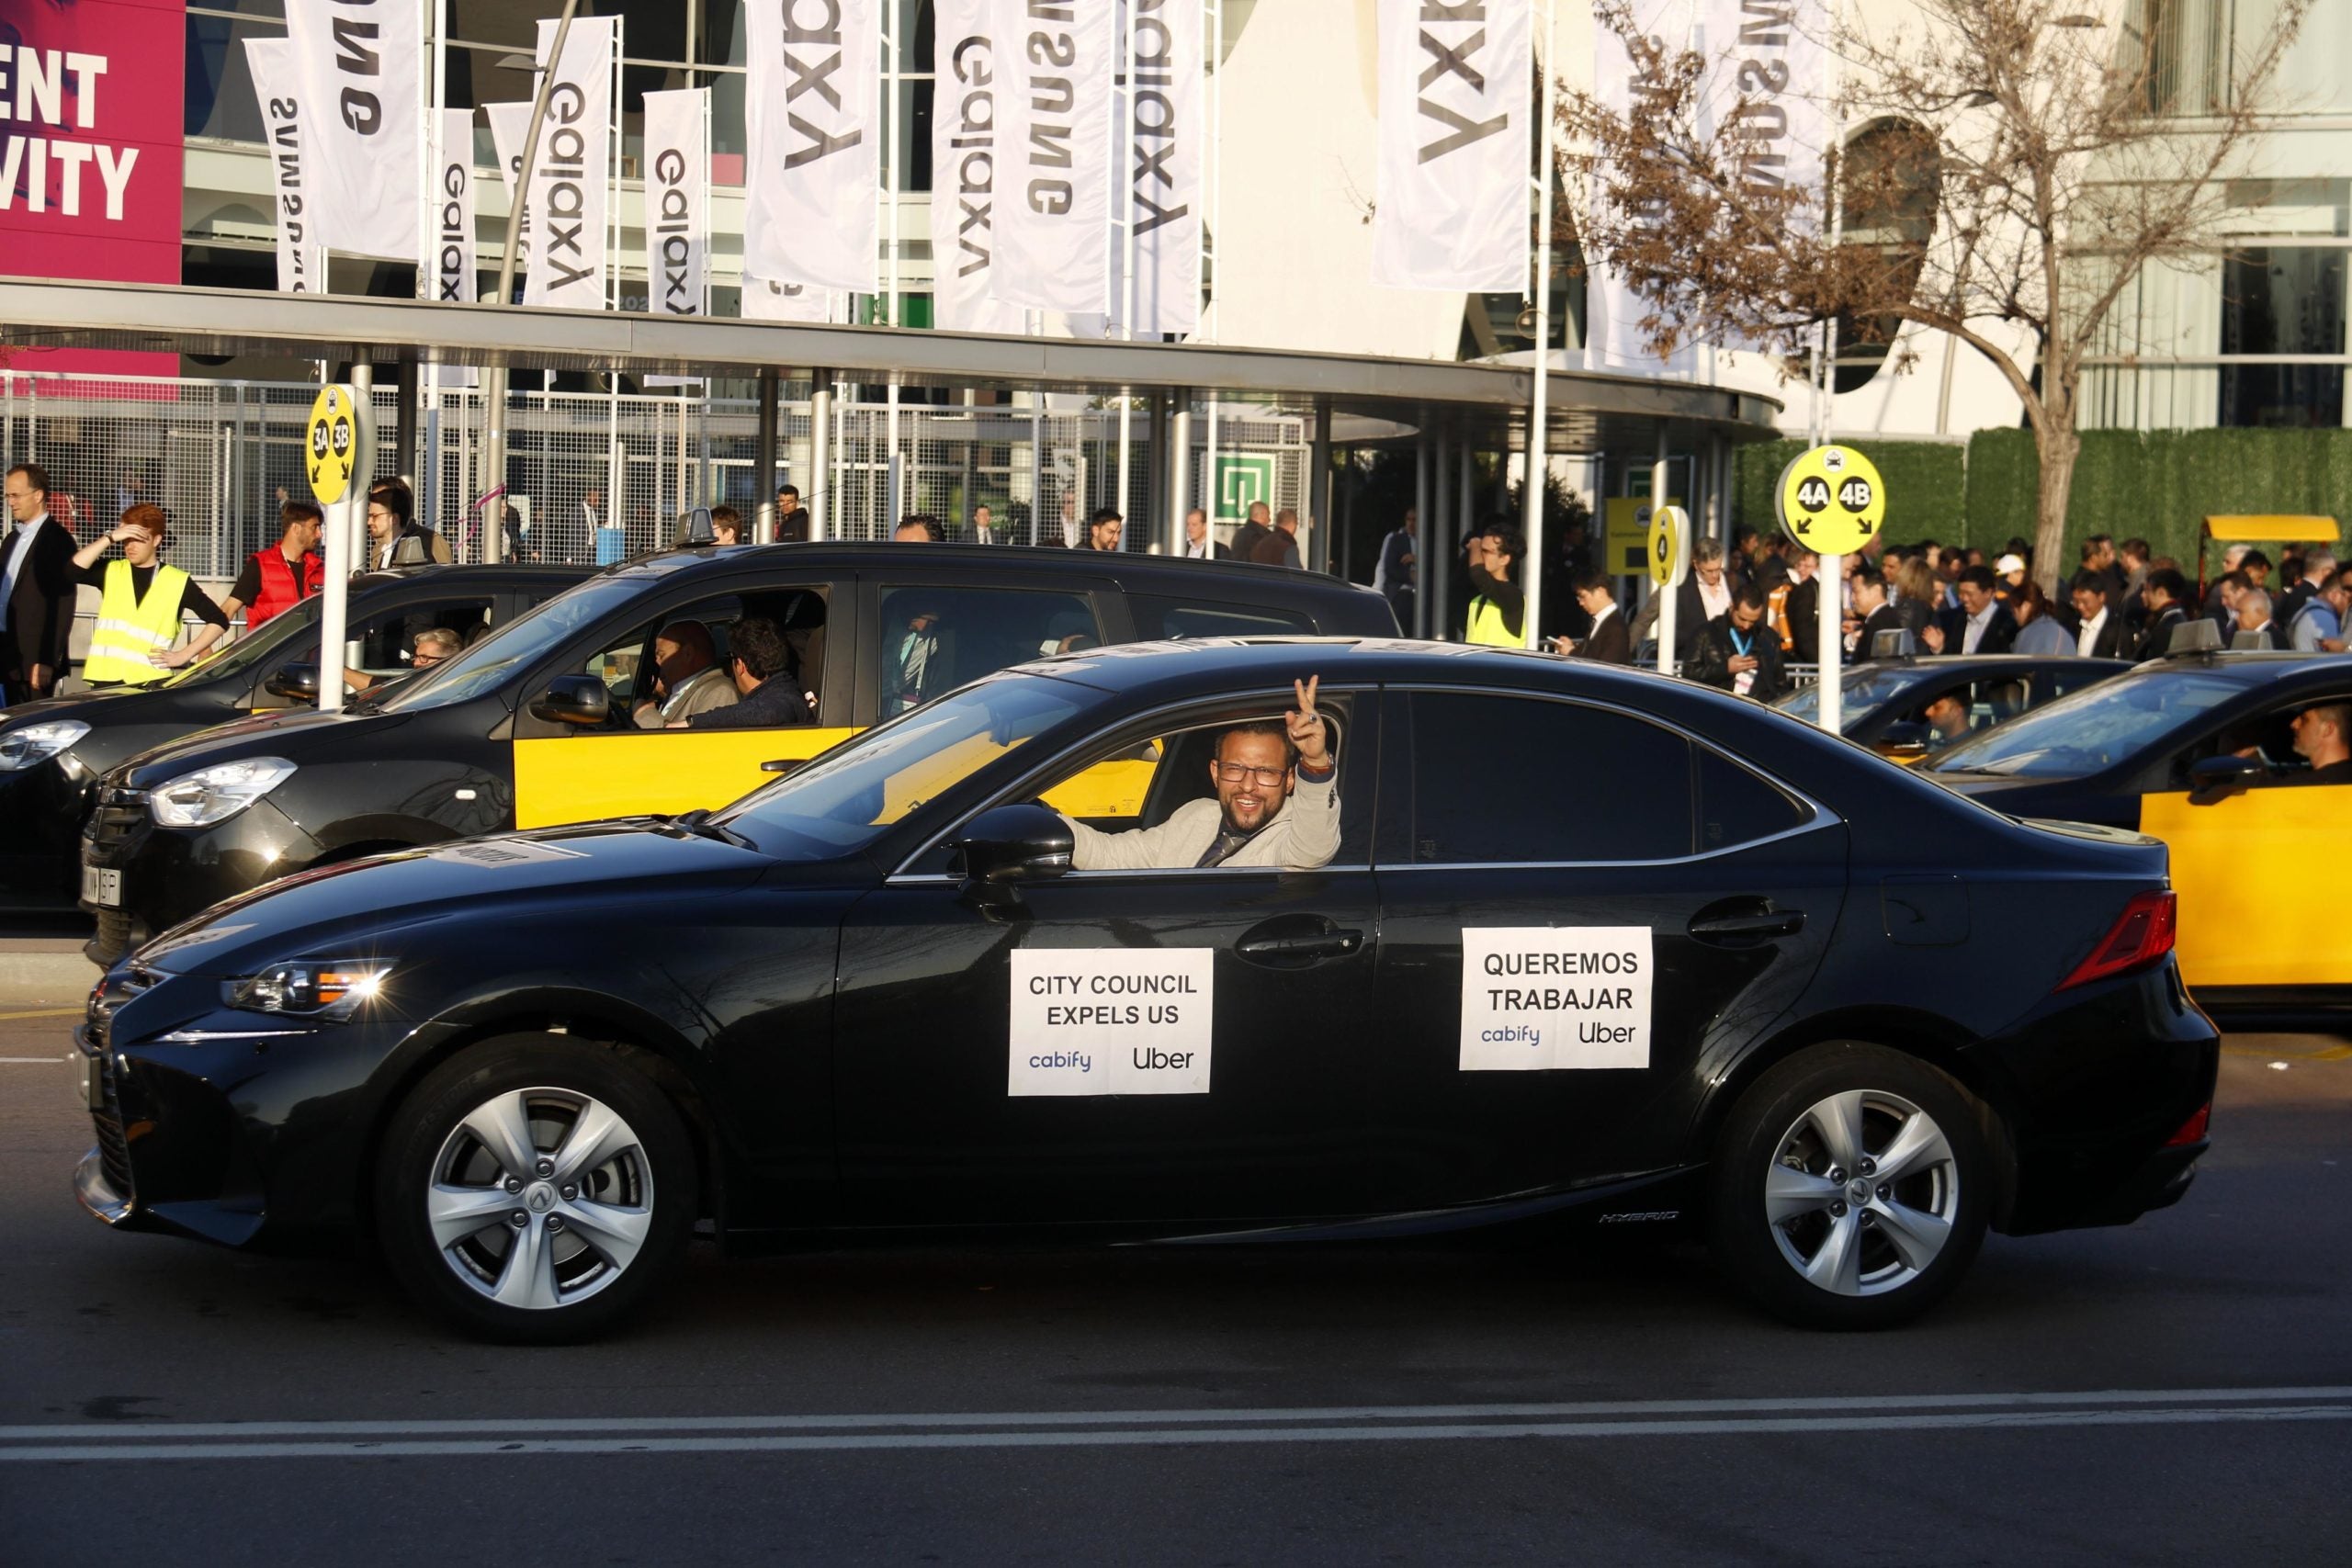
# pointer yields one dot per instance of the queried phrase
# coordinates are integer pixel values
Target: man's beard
(1267, 809)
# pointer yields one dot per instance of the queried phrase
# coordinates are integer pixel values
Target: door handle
(1740, 930)
(1330, 944)
(1297, 941)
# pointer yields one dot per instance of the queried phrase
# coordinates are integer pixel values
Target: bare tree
(2042, 161)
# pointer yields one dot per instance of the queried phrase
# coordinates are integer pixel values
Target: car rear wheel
(1850, 1188)
(535, 1190)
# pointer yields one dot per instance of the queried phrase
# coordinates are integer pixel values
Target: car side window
(931, 640)
(1157, 617)
(1736, 806)
(385, 643)
(1523, 779)
(632, 668)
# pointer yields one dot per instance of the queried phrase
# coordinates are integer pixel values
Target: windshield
(521, 642)
(251, 648)
(1863, 690)
(2095, 729)
(850, 796)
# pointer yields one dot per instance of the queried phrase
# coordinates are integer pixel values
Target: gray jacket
(1302, 836)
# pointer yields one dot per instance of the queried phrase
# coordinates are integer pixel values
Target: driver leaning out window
(767, 683)
(1277, 804)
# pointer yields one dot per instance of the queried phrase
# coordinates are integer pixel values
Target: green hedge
(2157, 485)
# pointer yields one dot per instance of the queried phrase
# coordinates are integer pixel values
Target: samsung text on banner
(1111, 1021)
(1536, 998)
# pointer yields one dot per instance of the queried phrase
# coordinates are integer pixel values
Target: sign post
(336, 449)
(1669, 550)
(1832, 501)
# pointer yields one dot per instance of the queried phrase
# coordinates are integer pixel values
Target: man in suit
(2100, 632)
(2165, 593)
(1608, 640)
(37, 590)
(1280, 547)
(983, 528)
(1872, 614)
(1198, 545)
(1705, 596)
(1980, 623)
(1255, 528)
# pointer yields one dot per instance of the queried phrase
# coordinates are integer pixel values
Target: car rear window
(1156, 619)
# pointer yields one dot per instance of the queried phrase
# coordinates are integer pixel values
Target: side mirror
(574, 699)
(2215, 778)
(1015, 843)
(295, 683)
(1904, 739)
(784, 765)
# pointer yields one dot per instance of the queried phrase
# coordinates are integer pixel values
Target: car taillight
(2141, 935)
(2193, 1130)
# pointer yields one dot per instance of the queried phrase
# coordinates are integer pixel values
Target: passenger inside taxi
(2323, 738)
(687, 679)
(767, 684)
(1277, 804)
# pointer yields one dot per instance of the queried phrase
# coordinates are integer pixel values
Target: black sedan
(1517, 941)
(1907, 708)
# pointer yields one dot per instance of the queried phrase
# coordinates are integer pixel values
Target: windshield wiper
(699, 824)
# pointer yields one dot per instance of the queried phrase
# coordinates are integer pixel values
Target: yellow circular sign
(1669, 546)
(1831, 499)
(330, 445)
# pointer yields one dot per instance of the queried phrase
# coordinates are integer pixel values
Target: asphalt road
(2178, 1392)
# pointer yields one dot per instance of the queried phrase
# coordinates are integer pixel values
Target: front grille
(118, 815)
(106, 1118)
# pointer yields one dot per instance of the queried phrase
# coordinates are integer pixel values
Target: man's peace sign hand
(1307, 728)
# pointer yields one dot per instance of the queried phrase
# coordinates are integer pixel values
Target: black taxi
(53, 752)
(533, 726)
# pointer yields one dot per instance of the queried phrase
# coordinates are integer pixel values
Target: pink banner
(90, 153)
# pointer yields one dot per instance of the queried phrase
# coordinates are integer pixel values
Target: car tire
(535, 1190)
(1850, 1189)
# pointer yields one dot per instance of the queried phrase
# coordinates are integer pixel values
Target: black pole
(763, 478)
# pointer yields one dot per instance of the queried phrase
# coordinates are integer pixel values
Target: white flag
(1052, 209)
(509, 124)
(1768, 86)
(767, 300)
(1163, 165)
(812, 139)
(358, 63)
(1624, 75)
(453, 207)
(1455, 102)
(572, 170)
(963, 162)
(301, 264)
(677, 201)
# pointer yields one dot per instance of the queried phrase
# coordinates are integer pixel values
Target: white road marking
(754, 1434)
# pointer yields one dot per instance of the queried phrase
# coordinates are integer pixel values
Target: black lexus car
(53, 752)
(1554, 944)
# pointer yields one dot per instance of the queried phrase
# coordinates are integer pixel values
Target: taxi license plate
(102, 887)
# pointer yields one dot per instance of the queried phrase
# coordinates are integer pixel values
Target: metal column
(1423, 531)
(404, 462)
(1448, 535)
(764, 480)
(1180, 466)
(1319, 489)
(817, 494)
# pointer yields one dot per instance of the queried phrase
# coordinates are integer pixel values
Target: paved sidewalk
(44, 968)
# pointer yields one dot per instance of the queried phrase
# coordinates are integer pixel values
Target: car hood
(258, 735)
(357, 908)
(93, 708)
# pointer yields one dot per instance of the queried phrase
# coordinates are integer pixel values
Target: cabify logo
(1243, 478)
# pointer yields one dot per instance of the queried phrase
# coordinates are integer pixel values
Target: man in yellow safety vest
(141, 603)
(1497, 604)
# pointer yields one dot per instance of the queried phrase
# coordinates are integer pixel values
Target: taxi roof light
(2141, 935)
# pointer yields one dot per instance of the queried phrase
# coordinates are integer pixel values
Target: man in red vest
(282, 576)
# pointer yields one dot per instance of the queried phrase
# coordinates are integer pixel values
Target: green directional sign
(1243, 478)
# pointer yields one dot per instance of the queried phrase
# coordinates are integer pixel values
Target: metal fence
(595, 477)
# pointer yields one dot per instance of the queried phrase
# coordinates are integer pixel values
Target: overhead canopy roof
(1481, 403)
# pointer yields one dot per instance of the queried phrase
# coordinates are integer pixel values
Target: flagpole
(495, 380)
(1122, 144)
(1531, 566)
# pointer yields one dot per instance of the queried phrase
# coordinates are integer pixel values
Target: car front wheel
(535, 1188)
(1850, 1187)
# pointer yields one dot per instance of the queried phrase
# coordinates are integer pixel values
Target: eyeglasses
(1235, 773)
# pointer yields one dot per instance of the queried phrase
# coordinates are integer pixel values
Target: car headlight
(20, 748)
(217, 793)
(330, 990)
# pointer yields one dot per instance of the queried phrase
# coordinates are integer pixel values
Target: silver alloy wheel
(1862, 1193)
(540, 1198)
